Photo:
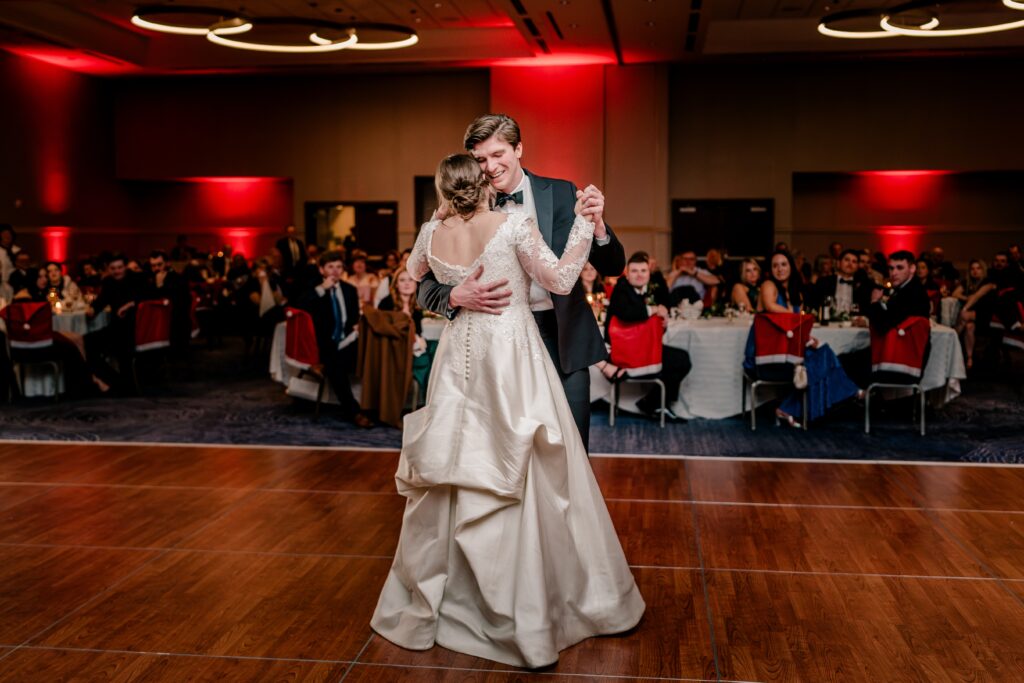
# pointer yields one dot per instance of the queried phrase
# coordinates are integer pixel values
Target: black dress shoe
(361, 421)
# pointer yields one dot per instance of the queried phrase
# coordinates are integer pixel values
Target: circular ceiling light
(177, 20)
(366, 32)
(826, 25)
(1012, 4)
(347, 40)
(922, 32)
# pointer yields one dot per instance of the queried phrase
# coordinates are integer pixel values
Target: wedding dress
(507, 549)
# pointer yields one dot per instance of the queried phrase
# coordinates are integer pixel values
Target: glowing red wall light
(900, 190)
(899, 237)
(242, 240)
(236, 199)
(55, 242)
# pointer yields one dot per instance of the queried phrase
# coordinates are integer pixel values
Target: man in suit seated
(23, 276)
(849, 288)
(635, 300)
(903, 298)
(334, 305)
(165, 283)
(120, 291)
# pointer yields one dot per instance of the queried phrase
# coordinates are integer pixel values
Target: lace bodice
(517, 252)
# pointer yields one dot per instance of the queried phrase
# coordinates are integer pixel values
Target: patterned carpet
(223, 399)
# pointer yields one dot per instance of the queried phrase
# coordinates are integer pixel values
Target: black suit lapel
(543, 200)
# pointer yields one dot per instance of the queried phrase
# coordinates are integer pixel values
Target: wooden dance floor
(165, 563)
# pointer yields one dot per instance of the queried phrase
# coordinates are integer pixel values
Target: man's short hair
(903, 255)
(117, 256)
(502, 125)
(844, 252)
(330, 257)
(159, 253)
(639, 257)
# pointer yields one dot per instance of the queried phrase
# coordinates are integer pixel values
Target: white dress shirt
(844, 294)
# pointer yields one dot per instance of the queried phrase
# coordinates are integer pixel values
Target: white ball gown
(507, 549)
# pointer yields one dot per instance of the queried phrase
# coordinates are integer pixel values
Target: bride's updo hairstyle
(461, 182)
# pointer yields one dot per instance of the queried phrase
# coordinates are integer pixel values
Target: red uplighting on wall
(233, 199)
(241, 240)
(55, 242)
(899, 237)
(900, 190)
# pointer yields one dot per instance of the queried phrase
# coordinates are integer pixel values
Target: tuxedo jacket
(579, 339)
(826, 287)
(909, 300)
(287, 262)
(322, 310)
(630, 307)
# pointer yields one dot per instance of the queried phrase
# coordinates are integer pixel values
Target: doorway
(372, 225)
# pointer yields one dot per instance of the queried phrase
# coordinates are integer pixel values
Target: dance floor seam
(50, 486)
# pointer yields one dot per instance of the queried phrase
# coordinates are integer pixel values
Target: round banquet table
(714, 387)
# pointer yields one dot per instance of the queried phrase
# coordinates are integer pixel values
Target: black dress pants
(576, 384)
(338, 366)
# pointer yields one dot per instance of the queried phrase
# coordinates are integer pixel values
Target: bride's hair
(461, 182)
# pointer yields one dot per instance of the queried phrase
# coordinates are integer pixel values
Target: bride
(507, 550)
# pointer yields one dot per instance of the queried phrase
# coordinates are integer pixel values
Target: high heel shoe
(787, 419)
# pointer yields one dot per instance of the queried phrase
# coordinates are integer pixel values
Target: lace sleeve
(553, 274)
(419, 263)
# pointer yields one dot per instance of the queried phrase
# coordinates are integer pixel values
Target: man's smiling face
(500, 162)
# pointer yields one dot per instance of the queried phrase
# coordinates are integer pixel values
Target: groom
(567, 323)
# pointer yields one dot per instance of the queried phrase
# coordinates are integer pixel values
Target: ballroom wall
(742, 131)
(102, 159)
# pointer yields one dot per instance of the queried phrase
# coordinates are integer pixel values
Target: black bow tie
(846, 282)
(504, 198)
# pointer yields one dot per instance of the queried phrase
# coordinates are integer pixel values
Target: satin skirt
(507, 550)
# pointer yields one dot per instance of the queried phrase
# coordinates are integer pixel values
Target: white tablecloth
(37, 380)
(714, 387)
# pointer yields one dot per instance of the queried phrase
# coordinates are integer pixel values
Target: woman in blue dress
(827, 383)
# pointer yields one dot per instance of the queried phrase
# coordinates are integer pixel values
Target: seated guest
(34, 289)
(365, 282)
(866, 262)
(588, 278)
(164, 283)
(23, 277)
(827, 382)
(334, 305)
(8, 251)
(386, 281)
(931, 286)
(633, 301)
(120, 291)
(402, 297)
(715, 264)
(905, 298)
(271, 293)
(849, 289)
(657, 277)
(67, 291)
(943, 271)
(824, 266)
(89, 279)
(293, 253)
(746, 292)
(1015, 256)
(977, 272)
(997, 296)
(687, 281)
(182, 251)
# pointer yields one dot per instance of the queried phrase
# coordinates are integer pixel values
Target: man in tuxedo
(334, 305)
(293, 252)
(903, 298)
(567, 323)
(634, 300)
(849, 288)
